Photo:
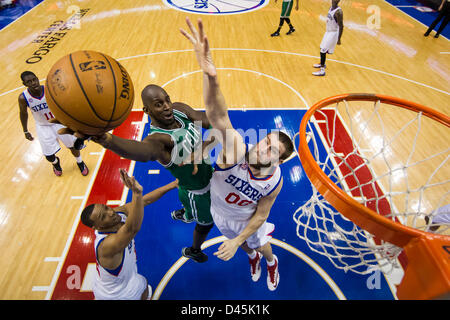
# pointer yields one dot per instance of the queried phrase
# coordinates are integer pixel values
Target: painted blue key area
(8, 15)
(161, 239)
(426, 18)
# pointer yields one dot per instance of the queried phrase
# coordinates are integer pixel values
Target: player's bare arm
(152, 148)
(216, 108)
(340, 20)
(110, 251)
(149, 198)
(228, 248)
(23, 113)
(192, 114)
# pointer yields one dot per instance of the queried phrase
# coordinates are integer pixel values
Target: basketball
(89, 92)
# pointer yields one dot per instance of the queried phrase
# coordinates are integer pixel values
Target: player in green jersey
(286, 9)
(175, 133)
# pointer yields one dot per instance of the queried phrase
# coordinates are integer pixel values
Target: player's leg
(277, 33)
(199, 206)
(273, 276)
(434, 23)
(69, 141)
(291, 27)
(287, 14)
(49, 146)
(254, 259)
(443, 25)
(54, 160)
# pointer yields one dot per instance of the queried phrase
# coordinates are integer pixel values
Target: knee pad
(202, 229)
(51, 158)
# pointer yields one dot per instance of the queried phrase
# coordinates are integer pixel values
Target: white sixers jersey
(332, 25)
(235, 191)
(112, 282)
(39, 108)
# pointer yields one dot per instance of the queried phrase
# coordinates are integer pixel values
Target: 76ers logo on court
(216, 6)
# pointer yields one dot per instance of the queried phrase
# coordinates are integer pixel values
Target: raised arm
(115, 243)
(233, 147)
(150, 197)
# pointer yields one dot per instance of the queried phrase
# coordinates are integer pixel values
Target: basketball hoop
(371, 193)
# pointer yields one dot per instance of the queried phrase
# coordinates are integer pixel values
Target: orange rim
(378, 225)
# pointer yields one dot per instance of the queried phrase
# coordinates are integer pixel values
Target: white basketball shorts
(232, 228)
(329, 42)
(48, 138)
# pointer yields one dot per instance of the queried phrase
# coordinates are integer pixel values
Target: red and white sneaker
(83, 168)
(57, 168)
(273, 277)
(255, 266)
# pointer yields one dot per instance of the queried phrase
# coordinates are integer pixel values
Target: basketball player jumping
(174, 135)
(246, 181)
(33, 98)
(333, 34)
(117, 277)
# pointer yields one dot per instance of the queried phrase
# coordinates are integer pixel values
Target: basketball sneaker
(255, 266)
(179, 215)
(57, 168)
(290, 31)
(319, 73)
(83, 168)
(275, 34)
(318, 65)
(194, 254)
(273, 277)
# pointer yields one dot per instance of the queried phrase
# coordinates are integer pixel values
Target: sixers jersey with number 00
(235, 191)
(39, 108)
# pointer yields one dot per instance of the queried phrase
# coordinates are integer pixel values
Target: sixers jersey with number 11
(185, 139)
(39, 108)
(235, 191)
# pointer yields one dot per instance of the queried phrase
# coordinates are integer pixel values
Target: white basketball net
(372, 172)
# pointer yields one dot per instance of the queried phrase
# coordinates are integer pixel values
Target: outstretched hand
(130, 182)
(201, 47)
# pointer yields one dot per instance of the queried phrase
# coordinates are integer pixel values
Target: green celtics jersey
(185, 139)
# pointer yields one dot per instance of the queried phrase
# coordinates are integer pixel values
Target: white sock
(56, 160)
(271, 263)
(252, 255)
(79, 160)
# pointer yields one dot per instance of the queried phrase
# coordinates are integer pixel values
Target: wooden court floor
(38, 210)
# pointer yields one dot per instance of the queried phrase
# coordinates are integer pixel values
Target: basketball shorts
(329, 42)
(196, 205)
(48, 138)
(133, 291)
(232, 228)
(286, 8)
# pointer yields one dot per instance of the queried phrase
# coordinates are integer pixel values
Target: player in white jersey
(440, 219)
(33, 98)
(117, 277)
(332, 36)
(246, 181)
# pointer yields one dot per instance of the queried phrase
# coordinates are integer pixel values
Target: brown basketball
(89, 92)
